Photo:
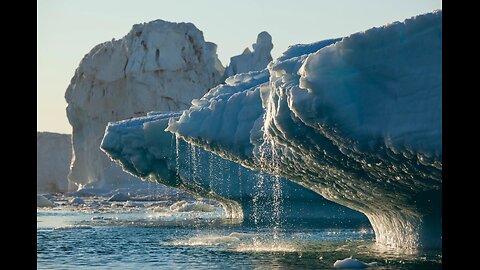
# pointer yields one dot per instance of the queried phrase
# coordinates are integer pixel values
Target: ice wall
(145, 149)
(358, 122)
(157, 66)
(54, 153)
(252, 61)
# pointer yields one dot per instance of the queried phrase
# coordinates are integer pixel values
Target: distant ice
(157, 65)
(76, 201)
(119, 197)
(74, 227)
(54, 153)
(44, 202)
(252, 61)
(159, 209)
(101, 218)
(132, 204)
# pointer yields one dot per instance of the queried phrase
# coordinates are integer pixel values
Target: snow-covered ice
(358, 121)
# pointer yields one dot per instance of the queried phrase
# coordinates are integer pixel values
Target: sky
(68, 29)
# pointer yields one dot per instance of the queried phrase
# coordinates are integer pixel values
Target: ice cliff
(54, 153)
(252, 61)
(358, 121)
(157, 66)
(145, 149)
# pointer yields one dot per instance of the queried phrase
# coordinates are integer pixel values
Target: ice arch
(358, 122)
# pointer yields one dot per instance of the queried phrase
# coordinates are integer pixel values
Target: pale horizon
(67, 30)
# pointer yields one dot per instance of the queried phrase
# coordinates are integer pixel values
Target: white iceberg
(252, 61)
(157, 66)
(54, 153)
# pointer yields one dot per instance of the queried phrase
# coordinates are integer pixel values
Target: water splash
(270, 247)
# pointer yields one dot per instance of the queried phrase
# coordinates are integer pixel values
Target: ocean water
(153, 237)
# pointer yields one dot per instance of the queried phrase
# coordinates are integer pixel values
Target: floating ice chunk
(44, 202)
(159, 209)
(177, 205)
(76, 201)
(87, 192)
(132, 204)
(119, 197)
(94, 204)
(114, 204)
(353, 264)
(101, 218)
(183, 206)
(74, 227)
(197, 207)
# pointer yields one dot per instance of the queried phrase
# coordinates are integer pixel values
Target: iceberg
(42, 201)
(252, 61)
(157, 66)
(358, 121)
(54, 153)
(145, 149)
